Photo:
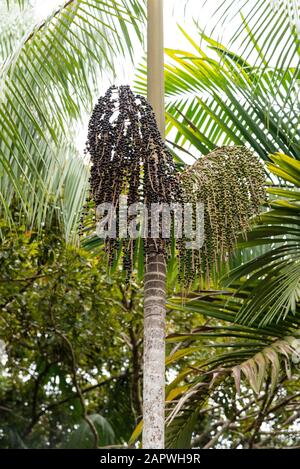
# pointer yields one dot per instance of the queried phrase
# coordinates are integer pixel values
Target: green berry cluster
(230, 182)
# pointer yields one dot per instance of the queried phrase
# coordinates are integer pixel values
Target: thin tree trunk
(155, 276)
(154, 353)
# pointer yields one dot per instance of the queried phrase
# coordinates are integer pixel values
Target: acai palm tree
(129, 159)
(50, 75)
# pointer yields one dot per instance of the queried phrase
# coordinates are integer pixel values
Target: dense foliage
(69, 340)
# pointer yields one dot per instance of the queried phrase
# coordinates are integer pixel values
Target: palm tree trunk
(155, 276)
(154, 352)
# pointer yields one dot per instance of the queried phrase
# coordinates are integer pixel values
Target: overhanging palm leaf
(219, 97)
(14, 24)
(218, 353)
(254, 354)
(45, 85)
(234, 103)
(276, 21)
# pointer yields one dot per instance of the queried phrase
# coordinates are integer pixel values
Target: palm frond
(273, 22)
(46, 84)
(250, 355)
(11, 3)
(273, 278)
(14, 24)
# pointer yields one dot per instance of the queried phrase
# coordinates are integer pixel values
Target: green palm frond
(12, 3)
(250, 355)
(273, 23)
(253, 328)
(47, 83)
(233, 103)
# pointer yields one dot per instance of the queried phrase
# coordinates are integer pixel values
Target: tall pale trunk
(154, 353)
(155, 276)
